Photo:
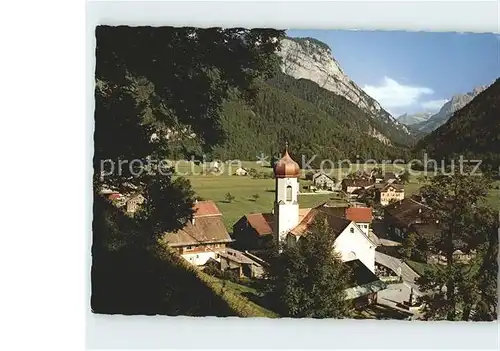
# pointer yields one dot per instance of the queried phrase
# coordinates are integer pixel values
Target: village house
(362, 216)
(244, 264)
(323, 181)
(400, 216)
(202, 237)
(254, 232)
(390, 192)
(390, 177)
(349, 186)
(430, 231)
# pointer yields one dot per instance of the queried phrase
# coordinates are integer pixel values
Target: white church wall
(355, 245)
(286, 210)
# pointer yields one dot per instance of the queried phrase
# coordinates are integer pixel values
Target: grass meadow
(257, 195)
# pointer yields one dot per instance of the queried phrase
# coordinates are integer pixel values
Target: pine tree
(308, 279)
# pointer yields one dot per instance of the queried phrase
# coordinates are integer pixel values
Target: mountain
(309, 58)
(473, 131)
(316, 122)
(414, 118)
(454, 104)
(308, 101)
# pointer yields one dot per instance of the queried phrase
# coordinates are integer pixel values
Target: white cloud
(433, 105)
(394, 96)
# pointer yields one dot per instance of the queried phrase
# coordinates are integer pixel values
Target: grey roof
(205, 230)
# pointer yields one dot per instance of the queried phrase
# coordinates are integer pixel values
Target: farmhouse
(400, 216)
(390, 192)
(243, 264)
(390, 177)
(349, 186)
(254, 231)
(323, 181)
(202, 237)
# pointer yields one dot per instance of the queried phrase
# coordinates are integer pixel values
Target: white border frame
(184, 332)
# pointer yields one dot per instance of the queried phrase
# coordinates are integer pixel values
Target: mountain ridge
(455, 103)
(410, 119)
(472, 131)
(311, 59)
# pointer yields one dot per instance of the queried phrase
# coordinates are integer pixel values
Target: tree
(229, 197)
(155, 85)
(409, 245)
(309, 175)
(456, 202)
(161, 80)
(308, 279)
(405, 177)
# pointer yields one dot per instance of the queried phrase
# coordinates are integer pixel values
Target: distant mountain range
(457, 102)
(473, 131)
(414, 118)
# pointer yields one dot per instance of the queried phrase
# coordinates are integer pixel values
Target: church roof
(336, 224)
(336, 219)
(286, 167)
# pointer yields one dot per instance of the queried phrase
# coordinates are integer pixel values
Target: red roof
(206, 208)
(261, 222)
(114, 196)
(359, 214)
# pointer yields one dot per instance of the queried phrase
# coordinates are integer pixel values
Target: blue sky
(410, 72)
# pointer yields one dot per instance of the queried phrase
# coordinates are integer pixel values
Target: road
(395, 295)
(397, 266)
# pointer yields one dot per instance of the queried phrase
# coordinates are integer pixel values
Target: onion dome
(286, 167)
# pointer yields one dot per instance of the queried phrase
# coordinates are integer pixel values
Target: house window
(289, 193)
(352, 230)
(189, 247)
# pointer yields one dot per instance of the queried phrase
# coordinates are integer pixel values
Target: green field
(216, 186)
(211, 187)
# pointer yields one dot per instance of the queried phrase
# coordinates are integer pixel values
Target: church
(288, 223)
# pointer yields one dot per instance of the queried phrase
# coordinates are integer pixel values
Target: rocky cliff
(456, 103)
(414, 118)
(311, 59)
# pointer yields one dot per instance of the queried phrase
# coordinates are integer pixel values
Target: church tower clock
(286, 206)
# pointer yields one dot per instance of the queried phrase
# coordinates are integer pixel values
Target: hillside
(332, 119)
(473, 131)
(447, 110)
(314, 120)
(309, 58)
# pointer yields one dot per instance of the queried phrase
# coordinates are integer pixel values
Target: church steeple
(286, 167)
(286, 206)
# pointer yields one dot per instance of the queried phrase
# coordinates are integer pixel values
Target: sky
(410, 72)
